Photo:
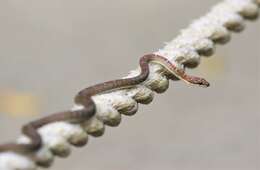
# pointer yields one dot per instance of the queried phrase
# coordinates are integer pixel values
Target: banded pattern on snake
(84, 98)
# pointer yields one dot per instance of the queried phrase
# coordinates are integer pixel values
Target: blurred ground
(51, 49)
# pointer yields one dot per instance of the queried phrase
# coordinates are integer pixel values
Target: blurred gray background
(51, 49)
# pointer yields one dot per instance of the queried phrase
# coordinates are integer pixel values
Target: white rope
(185, 50)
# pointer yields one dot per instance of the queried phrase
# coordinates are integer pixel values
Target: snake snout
(204, 83)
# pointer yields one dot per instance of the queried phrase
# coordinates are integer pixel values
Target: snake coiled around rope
(84, 98)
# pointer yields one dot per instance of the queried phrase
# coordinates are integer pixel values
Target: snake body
(84, 98)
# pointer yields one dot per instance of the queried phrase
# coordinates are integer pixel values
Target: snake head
(198, 81)
(205, 83)
(202, 82)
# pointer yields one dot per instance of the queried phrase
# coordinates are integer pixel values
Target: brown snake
(84, 98)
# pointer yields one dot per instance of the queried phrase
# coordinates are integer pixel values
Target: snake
(84, 98)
